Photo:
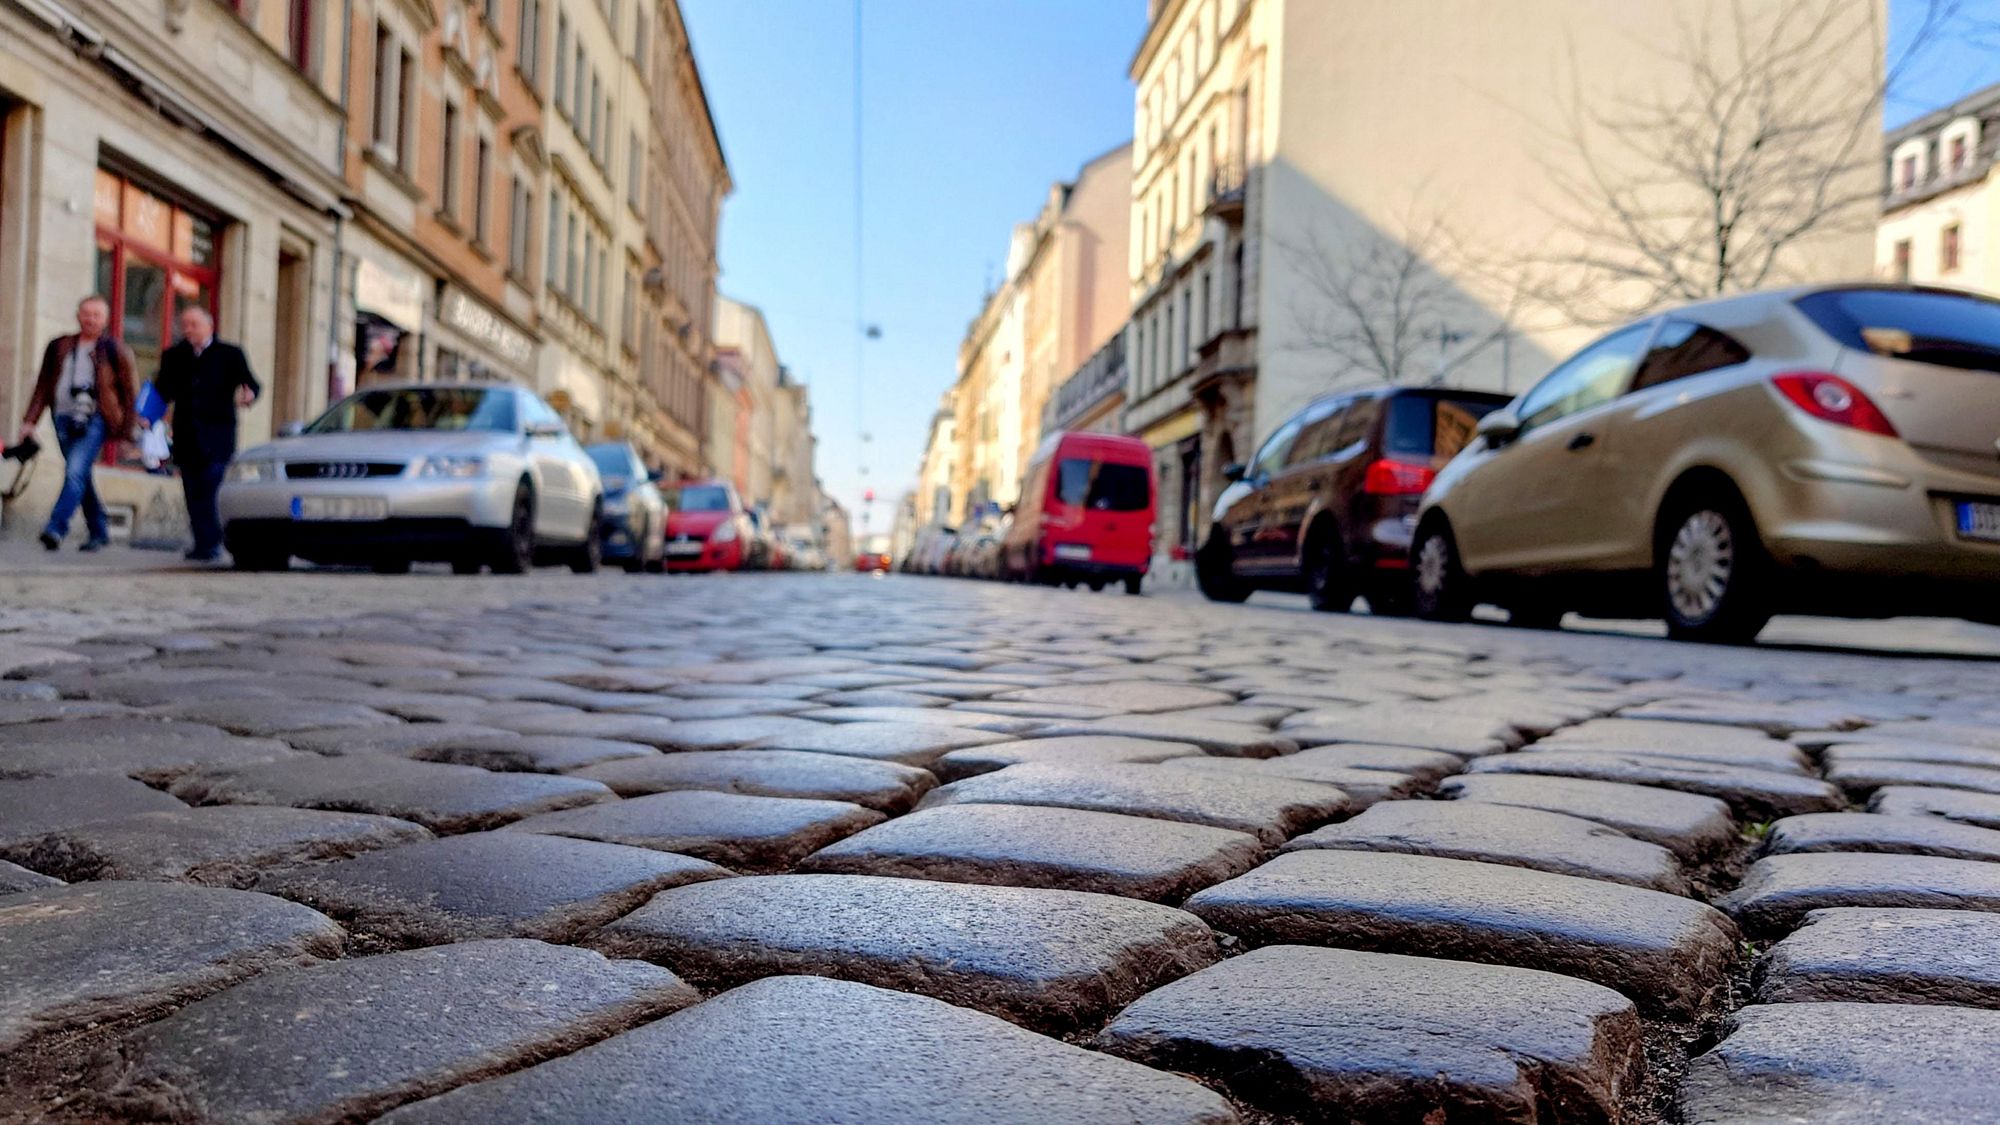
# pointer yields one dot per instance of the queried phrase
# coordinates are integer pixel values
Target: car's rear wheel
(1133, 582)
(1712, 571)
(585, 556)
(1214, 571)
(1441, 590)
(1327, 586)
(259, 559)
(466, 566)
(515, 552)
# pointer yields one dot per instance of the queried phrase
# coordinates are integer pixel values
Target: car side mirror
(1499, 427)
(291, 429)
(1234, 470)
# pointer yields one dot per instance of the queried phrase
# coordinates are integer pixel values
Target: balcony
(1226, 182)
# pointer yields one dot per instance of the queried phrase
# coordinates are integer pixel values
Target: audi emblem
(342, 470)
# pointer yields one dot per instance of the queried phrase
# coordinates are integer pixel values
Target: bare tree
(1390, 307)
(1712, 184)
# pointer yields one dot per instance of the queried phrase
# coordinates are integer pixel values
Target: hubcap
(1433, 565)
(1699, 565)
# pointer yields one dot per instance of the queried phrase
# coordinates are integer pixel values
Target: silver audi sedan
(465, 473)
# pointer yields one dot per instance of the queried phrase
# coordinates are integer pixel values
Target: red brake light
(1831, 398)
(1397, 478)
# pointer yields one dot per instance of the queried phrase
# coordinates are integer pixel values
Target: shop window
(154, 258)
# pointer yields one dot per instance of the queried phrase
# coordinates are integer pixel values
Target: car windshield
(698, 498)
(1101, 486)
(419, 408)
(612, 460)
(1422, 428)
(1948, 329)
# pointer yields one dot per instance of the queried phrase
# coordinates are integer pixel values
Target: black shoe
(52, 542)
(93, 545)
(199, 555)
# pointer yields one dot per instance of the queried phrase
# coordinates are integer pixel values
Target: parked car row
(1830, 450)
(481, 476)
(1085, 517)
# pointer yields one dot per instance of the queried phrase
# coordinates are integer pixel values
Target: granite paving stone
(916, 744)
(1136, 697)
(442, 798)
(1669, 954)
(1701, 742)
(219, 846)
(31, 807)
(78, 955)
(1051, 960)
(1876, 832)
(710, 709)
(1425, 765)
(264, 718)
(1778, 890)
(1903, 750)
(743, 833)
(1962, 805)
(728, 734)
(14, 879)
(1363, 787)
(486, 885)
(803, 1050)
(17, 711)
(1268, 808)
(1467, 736)
(1861, 777)
(888, 787)
(1341, 1035)
(1079, 750)
(347, 1040)
(1688, 824)
(1848, 1064)
(879, 697)
(1756, 794)
(928, 716)
(147, 749)
(1228, 739)
(647, 730)
(403, 738)
(1969, 734)
(1516, 837)
(1886, 956)
(1036, 846)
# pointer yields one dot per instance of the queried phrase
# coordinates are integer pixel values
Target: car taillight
(1831, 398)
(1397, 478)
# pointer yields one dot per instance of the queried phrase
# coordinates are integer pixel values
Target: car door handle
(1582, 441)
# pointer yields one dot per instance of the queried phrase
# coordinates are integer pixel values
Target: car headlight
(252, 472)
(726, 533)
(453, 467)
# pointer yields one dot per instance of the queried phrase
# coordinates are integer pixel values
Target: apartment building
(1940, 212)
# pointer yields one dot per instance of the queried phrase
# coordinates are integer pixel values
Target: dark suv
(1329, 503)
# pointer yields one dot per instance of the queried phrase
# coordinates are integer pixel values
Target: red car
(874, 555)
(707, 527)
(1086, 513)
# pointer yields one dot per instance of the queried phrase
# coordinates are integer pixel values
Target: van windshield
(1102, 487)
(1423, 428)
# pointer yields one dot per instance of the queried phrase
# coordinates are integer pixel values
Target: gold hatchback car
(1829, 450)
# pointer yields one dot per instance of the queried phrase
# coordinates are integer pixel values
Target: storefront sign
(461, 312)
(1170, 430)
(391, 292)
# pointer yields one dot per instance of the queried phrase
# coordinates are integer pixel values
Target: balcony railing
(1100, 377)
(1225, 187)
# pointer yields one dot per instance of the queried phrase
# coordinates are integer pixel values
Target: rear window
(1102, 487)
(1949, 329)
(699, 498)
(1422, 428)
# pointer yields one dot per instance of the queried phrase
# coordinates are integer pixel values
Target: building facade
(1940, 212)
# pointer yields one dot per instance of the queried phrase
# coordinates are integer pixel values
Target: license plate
(340, 508)
(1978, 521)
(1074, 552)
(684, 548)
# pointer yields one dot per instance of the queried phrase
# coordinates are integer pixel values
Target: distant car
(1821, 449)
(874, 554)
(635, 514)
(1328, 504)
(927, 553)
(1086, 513)
(707, 528)
(472, 474)
(759, 550)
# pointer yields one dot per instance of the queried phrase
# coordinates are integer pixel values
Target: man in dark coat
(203, 381)
(86, 382)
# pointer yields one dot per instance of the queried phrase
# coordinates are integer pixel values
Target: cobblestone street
(765, 848)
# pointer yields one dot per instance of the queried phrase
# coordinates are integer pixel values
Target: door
(1300, 484)
(1527, 507)
(560, 513)
(288, 364)
(1248, 519)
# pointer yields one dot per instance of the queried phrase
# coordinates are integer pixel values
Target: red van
(1086, 513)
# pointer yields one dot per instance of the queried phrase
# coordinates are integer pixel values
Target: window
(1318, 425)
(1204, 306)
(448, 187)
(1906, 178)
(1903, 260)
(562, 62)
(1948, 249)
(628, 313)
(388, 114)
(596, 117)
(640, 58)
(1595, 375)
(579, 75)
(153, 260)
(482, 171)
(298, 33)
(1101, 486)
(1357, 424)
(1187, 327)
(493, 13)
(552, 267)
(1424, 428)
(1173, 364)
(635, 171)
(406, 85)
(570, 250)
(1950, 329)
(1957, 154)
(1272, 456)
(528, 40)
(589, 280)
(518, 234)
(1684, 348)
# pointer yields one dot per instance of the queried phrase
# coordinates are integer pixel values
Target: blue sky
(971, 108)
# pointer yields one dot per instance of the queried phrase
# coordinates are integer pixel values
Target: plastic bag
(153, 447)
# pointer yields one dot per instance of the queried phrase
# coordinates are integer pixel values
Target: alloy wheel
(1433, 567)
(1700, 563)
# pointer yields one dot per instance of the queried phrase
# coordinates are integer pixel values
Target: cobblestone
(745, 833)
(1269, 808)
(441, 798)
(223, 846)
(1690, 825)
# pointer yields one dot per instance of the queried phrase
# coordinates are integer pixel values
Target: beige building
(1288, 152)
(743, 336)
(931, 504)
(1941, 213)
(165, 155)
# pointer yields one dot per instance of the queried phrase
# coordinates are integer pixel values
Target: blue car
(634, 530)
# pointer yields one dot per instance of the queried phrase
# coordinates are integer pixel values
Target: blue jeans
(80, 443)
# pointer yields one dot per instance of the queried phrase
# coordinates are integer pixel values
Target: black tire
(390, 566)
(1390, 600)
(466, 566)
(1133, 582)
(585, 557)
(260, 559)
(1711, 570)
(1327, 586)
(1440, 589)
(1535, 615)
(514, 548)
(1213, 571)
(1097, 585)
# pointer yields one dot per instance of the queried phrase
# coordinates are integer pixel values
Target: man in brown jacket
(86, 380)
